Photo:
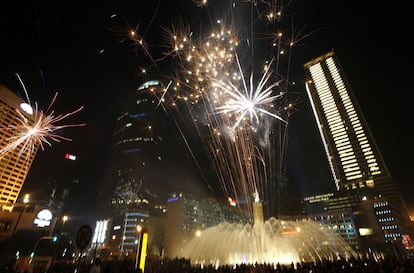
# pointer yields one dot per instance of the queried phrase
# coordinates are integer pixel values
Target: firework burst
(248, 102)
(33, 129)
(233, 90)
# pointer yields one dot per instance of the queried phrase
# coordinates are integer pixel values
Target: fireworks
(32, 130)
(233, 90)
(250, 101)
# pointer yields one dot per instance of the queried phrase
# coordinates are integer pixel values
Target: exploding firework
(32, 128)
(237, 103)
(235, 93)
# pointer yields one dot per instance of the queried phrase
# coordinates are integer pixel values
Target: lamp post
(64, 219)
(25, 202)
(139, 229)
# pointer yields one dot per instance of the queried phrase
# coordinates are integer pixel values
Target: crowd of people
(180, 265)
(155, 265)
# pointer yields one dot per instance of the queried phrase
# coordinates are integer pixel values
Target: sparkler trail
(137, 35)
(24, 88)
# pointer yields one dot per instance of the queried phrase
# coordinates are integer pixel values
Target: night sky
(76, 48)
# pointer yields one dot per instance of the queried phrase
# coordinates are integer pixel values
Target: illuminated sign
(70, 157)
(43, 218)
(318, 198)
(143, 251)
(172, 199)
(365, 231)
(286, 231)
(100, 231)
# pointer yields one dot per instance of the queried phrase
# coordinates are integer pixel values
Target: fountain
(268, 242)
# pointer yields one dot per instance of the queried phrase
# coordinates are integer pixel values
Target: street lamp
(25, 202)
(64, 219)
(139, 229)
(26, 198)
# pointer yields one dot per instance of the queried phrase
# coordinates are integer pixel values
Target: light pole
(139, 229)
(64, 219)
(25, 202)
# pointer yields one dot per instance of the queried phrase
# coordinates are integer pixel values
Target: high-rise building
(134, 159)
(136, 181)
(15, 160)
(365, 186)
(354, 158)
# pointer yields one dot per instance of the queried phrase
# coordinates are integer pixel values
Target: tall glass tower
(354, 158)
(134, 189)
(135, 160)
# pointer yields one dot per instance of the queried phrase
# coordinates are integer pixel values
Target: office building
(342, 224)
(15, 160)
(344, 214)
(359, 172)
(354, 158)
(134, 160)
(134, 221)
(136, 181)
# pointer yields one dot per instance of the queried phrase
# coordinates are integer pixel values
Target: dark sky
(75, 48)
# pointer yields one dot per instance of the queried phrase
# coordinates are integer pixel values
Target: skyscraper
(365, 186)
(15, 161)
(354, 158)
(134, 159)
(136, 182)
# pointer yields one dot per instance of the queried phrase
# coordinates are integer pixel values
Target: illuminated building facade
(130, 233)
(387, 224)
(338, 211)
(342, 224)
(14, 163)
(358, 169)
(372, 224)
(100, 235)
(354, 158)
